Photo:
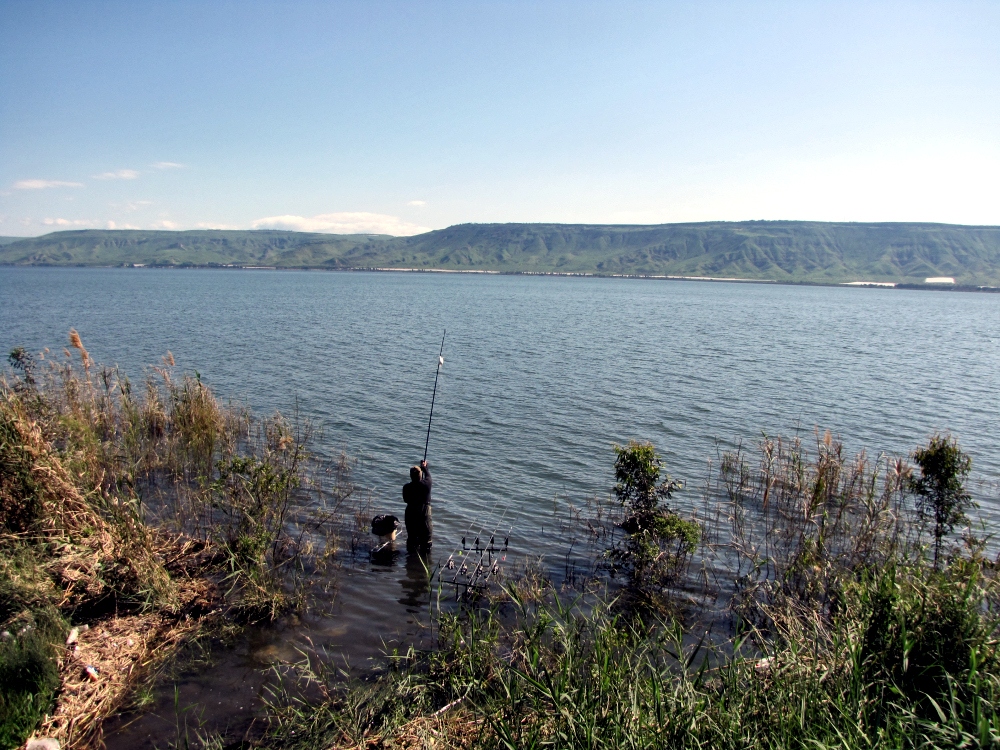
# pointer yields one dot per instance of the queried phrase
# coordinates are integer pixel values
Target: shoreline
(907, 286)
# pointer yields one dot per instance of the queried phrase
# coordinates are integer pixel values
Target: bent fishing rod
(434, 395)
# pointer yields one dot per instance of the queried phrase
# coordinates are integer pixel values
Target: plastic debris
(73, 637)
(91, 671)
(42, 743)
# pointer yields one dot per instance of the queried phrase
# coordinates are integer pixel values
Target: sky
(400, 117)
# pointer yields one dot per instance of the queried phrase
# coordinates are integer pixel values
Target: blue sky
(402, 116)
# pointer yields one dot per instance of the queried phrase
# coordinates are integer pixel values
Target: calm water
(542, 376)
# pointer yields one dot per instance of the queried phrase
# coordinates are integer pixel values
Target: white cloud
(43, 184)
(360, 222)
(115, 225)
(121, 174)
(163, 224)
(67, 222)
(417, 203)
(166, 165)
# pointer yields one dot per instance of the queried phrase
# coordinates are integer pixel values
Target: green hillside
(98, 247)
(8, 240)
(824, 252)
(783, 251)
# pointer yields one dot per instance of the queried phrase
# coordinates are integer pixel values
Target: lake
(542, 376)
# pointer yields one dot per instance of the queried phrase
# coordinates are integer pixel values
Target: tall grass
(842, 635)
(592, 678)
(108, 491)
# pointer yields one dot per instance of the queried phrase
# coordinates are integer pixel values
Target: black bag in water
(384, 525)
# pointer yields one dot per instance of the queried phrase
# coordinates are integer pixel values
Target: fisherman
(417, 496)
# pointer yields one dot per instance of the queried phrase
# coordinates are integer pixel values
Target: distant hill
(823, 252)
(115, 247)
(8, 240)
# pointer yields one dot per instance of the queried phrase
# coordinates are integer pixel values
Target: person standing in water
(417, 496)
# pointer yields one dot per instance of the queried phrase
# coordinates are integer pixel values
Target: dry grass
(124, 651)
(453, 730)
(140, 515)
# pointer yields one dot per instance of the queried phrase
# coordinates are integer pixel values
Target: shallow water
(542, 376)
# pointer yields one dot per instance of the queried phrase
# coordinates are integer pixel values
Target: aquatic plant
(657, 541)
(844, 632)
(843, 635)
(940, 489)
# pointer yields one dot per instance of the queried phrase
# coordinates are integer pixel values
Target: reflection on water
(385, 557)
(417, 581)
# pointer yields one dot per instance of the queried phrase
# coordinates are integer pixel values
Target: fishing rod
(434, 395)
(479, 571)
(482, 573)
(447, 563)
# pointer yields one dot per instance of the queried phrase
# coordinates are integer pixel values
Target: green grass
(898, 676)
(29, 679)
(844, 633)
(35, 630)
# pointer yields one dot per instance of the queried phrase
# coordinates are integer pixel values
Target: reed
(843, 634)
(142, 515)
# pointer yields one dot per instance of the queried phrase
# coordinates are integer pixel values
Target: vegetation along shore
(813, 599)
(781, 251)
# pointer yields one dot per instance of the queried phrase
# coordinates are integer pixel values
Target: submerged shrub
(940, 489)
(657, 541)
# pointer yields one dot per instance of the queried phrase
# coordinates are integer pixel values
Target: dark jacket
(417, 496)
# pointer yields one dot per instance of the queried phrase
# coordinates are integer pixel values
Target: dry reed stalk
(64, 507)
(76, 343)
(83, 540)
(123, 651)
(95, 456)
(455, 730)
(803, 524)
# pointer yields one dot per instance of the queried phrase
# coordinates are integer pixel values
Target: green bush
(657, 541)
(940, 489)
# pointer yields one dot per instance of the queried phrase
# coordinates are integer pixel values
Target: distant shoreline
(568, 274)
(730, 252)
